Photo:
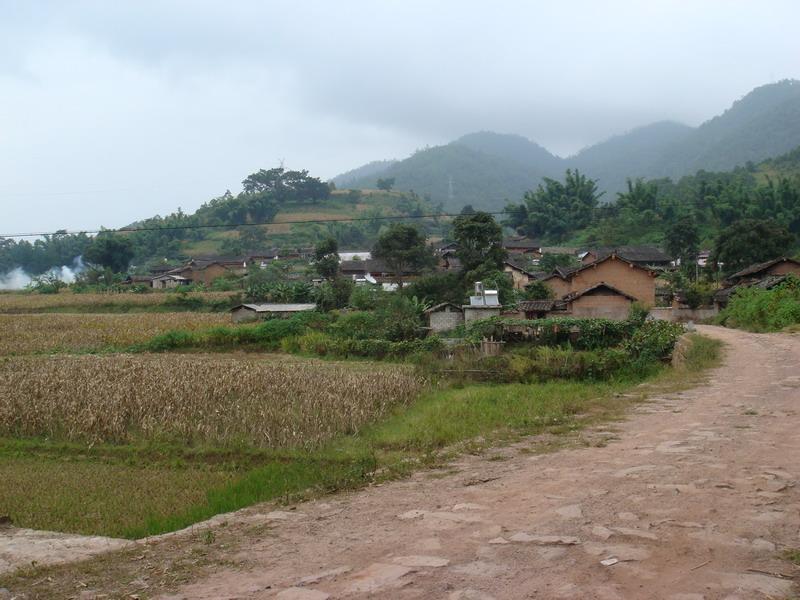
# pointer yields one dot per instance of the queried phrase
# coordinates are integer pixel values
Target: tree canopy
(403, 248)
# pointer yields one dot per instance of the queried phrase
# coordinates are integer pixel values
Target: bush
(534, 364)
(757, 309)
(582, 334)
(653, 341)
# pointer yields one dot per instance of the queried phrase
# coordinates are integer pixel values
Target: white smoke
(14, 280)
(18, 279)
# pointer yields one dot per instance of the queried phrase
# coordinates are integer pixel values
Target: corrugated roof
(260, 308)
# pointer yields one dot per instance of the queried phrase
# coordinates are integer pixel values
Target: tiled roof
(758, 268)
(636, 254)
(536, 305)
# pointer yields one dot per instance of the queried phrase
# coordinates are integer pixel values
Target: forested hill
(484, 169)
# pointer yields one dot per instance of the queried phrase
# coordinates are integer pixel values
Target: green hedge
(582, 334)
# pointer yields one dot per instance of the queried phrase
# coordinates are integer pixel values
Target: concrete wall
(635, 281)
(601, 306)
(683, 315)
(474, 313)
(446, 319)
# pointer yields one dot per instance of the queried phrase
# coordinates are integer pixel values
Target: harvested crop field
(39, 333)
(12, 302)
(196, 399)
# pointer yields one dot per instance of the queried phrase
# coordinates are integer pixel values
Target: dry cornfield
(14, 302)
(27, 334)
(271, 402)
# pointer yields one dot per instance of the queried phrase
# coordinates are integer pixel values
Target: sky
(116, 111)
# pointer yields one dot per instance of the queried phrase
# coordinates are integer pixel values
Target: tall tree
(403, 248)
(682, 241)
(110, 251)
(480, 241)
(326, 258)
(750, 241)
(556, 210)
(386, 184)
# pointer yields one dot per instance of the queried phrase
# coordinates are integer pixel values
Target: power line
(233, 225)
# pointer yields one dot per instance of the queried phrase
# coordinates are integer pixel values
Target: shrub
(757, 309)
(653, 341)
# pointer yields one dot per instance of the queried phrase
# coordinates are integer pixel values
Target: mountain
(485, 168)
(634, 154)
(373, 169)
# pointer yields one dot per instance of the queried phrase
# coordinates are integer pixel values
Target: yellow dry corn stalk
(25, 302)
(28, 334)
(196, 399)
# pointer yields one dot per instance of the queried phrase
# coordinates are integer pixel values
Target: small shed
(444, 316)
(253, 312)
(169, 281)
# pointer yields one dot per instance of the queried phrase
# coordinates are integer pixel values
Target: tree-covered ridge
(225, 225)
(485, 169)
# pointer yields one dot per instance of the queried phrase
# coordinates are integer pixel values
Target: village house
(521, 245)
(253, 312)
(520, 276)
(776, 266)
(624, 282)
(600, 300)
(644, 256)
(764, 275)
(374, 271)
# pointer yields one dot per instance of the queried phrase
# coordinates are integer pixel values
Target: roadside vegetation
(760, 310)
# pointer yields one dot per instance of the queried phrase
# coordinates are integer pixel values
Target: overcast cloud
(115, 111)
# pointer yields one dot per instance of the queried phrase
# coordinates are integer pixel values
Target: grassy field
(66, 301)
(40, 333)
(217, 447)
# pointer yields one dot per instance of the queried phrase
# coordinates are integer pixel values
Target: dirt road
(694, 498)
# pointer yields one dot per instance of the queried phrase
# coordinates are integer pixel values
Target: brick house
(622, 275)
(600, 300)
(776, 266)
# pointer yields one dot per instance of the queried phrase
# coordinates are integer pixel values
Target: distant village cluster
(600, 282)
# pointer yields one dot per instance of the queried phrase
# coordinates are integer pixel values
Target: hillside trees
(750, 241)
(110, 251)
(555, 210)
